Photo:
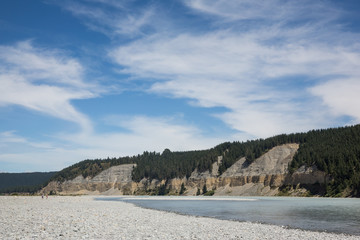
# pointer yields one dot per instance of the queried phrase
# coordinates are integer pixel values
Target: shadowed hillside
(23, 182)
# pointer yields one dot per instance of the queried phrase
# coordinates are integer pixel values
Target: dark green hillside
(149, 164)
(89, 168)
(23, 182)
(255, 148)
(174, 164)
(335, 151)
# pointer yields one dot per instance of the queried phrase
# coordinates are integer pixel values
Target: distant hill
(23, 182)
(335, 151)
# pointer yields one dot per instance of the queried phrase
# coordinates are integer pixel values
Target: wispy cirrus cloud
(265, 67)
(255, 82)
(268, 77)
(131, 135)
(341, 96)
(10, 137)
(281, 11)
(41, 64)
(111, 18)
(45, 81)
(263, 61)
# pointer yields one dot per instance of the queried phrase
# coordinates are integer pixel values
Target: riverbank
(65, 217)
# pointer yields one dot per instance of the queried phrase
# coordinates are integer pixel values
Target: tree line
(23, 182)
(335, 151)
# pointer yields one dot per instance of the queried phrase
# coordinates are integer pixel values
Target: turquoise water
(336, 215)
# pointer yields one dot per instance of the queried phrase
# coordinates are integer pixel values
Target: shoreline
(87, 217)
(182, 198)
(220, 198)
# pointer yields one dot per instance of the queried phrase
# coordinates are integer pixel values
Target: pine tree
(198, 192)
(182, 189)
(204, 189)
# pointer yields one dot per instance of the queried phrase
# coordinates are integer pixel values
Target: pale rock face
(308, 175)
(263, 177)
(207, 174)
(273, 162)
(117, 178)
(116, 174)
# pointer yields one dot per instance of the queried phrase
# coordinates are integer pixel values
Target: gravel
(81, 217)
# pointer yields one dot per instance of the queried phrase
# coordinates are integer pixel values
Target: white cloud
(40, 64)
(10, 137)
(111, 3)
(275, 66)
(39, 161)
(116, 20)
(341, 96)
(249, 60)
(29, 155)
(141, 134)
(44, 81)
(268, 10)
(235, 10)
(238, 71)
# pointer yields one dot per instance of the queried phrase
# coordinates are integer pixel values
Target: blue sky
(88, 79)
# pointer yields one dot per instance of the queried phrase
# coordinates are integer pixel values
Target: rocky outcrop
(115, 180)
(264, 176)
(304, 175)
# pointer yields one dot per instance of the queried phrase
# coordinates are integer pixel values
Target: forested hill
(335, 151)
(23, 182)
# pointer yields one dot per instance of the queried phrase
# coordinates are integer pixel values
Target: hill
(24, 182)
(334, 151)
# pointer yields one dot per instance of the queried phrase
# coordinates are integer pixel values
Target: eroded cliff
(115, 180)
(264, 176)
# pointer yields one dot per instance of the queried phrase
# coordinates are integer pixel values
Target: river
(338, 215)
